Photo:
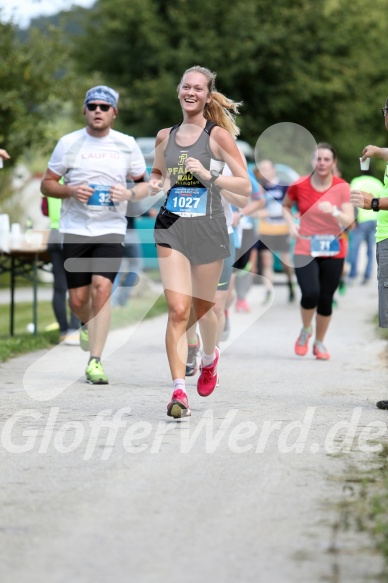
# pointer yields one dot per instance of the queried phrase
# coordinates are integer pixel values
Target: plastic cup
(364, 165)
(16, 230)
(4, 232)
(16, 234)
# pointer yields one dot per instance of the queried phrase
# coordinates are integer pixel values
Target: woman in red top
(323, 201)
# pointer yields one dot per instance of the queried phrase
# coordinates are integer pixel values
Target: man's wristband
(133, 195)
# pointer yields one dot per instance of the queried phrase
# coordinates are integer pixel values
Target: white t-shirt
(83, 159)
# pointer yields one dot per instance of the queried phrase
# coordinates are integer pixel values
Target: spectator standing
(378, 204)
(365, 228)
(68, 327)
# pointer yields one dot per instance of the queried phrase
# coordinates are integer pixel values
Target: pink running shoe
(179, 405)
(320, 351)
(207, 380)
(242, 306)
(302, 344)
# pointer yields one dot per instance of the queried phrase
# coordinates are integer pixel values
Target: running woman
(323, 201)
(190, 230)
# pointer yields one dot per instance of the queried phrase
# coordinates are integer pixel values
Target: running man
(95, 162)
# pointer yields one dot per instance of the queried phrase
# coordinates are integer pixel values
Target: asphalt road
(99, 485)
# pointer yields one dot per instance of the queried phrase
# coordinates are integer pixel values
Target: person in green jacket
(68, 323)
(379, 204)
(365, 229)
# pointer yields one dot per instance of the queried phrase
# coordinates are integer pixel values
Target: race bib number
(100, 199)
(187, 202)
(324, 246)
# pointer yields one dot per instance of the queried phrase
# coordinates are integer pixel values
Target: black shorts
(88, 256)
(201, 239)
(248, 243)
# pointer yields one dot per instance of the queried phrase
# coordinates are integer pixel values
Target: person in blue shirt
(247, 245)
(273, 229)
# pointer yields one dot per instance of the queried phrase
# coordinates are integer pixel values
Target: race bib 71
(324, 246)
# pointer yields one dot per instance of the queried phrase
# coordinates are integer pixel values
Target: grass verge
(364, 508)
(364, 505)
(22, 342)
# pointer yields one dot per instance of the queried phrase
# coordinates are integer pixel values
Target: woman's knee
(325, 306)
(309, 301)
(218, 310)
(179, 313)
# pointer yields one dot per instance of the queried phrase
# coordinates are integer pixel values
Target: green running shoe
(342, 287)
(84, 339)
(95, 374)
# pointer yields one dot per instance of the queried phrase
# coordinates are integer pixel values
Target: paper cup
(4, 232)
(16, 234)
(364, 165)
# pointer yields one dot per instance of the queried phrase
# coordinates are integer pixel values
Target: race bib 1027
(187, 202)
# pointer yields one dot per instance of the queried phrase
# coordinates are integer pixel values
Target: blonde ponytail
(220, 109)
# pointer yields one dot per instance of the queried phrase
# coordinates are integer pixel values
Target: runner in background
(323, 201)
(273, 229)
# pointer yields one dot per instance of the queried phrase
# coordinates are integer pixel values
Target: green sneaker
(342, 287)
(84, 339)
(95, 374)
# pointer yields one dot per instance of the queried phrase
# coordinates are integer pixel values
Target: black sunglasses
(384, 111)
(102, 106)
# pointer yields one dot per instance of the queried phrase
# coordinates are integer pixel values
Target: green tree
(311, 63)
(32, 87)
